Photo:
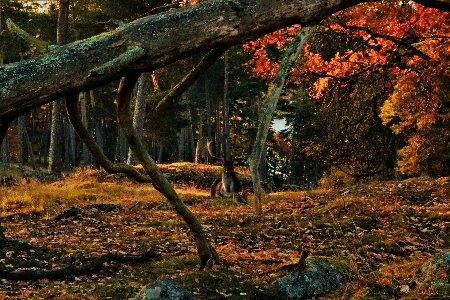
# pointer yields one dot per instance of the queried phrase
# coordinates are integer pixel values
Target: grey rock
(164, 289)
(319, 278)
(436, 269)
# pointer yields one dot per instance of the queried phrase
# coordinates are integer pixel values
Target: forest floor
(383, 232)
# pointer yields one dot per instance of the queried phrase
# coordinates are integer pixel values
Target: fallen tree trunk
(147, 44)
(152, 42)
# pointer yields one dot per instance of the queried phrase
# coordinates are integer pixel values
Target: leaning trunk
(267, 111)
(149, 165)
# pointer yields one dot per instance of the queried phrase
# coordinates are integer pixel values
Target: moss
(131, 55)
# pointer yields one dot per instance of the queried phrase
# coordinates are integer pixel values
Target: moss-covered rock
(319, 278)
(164, 289)
(436, 271)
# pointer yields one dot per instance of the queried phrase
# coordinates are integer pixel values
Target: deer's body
(229, 185)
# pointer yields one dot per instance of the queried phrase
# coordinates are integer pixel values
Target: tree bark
(69, 145)
(94, 149)
(267, 110)
(56, 136)
(226, 148)
(22, 144)
(5, 150)
(139, 109)
(159, 181)
(191, 143)
(57, 128)
(87, 160)
(148, 44)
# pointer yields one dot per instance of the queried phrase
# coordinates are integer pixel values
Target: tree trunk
(159, 181)
(44, 146)
(208, 116)
(143, 90)
(5, 152)
(226, 151)
(201, 152)
(147, 44)
(28, 145)
(57, 128)
(69, 134)
(268, 108)
(218, 136)
(21, 154)
(181, 144)
(98, 128)
(160, 154)
(56, 136)
(87, 159)
(121, 147)
(191, 137)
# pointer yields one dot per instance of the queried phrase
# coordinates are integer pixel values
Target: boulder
(318, 278)
(436, 271)
(164, 289)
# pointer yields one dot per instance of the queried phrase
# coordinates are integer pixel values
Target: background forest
(368, 97)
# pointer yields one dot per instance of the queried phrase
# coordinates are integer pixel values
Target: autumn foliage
(405, 46)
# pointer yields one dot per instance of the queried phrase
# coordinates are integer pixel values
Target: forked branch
(159, 181)
(94, 149)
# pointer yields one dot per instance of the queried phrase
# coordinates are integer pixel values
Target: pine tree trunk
(143, 90)
(181, 144)
(190, 131)
(21, 154)
(44, 147)
(226, 113)
(98, 128)
(5, 142)
(87, 159)
(160, 154)
(208, 116)
(218, 132)
(121, 148)
(69, 133)
(57, 136)
(268, 109)
(201, 154)
(29, 147)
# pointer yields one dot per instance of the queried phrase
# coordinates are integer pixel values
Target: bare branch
(159, 181)
(207, 61)
(94, 149)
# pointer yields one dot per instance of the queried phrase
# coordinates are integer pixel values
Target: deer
(228, 185)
